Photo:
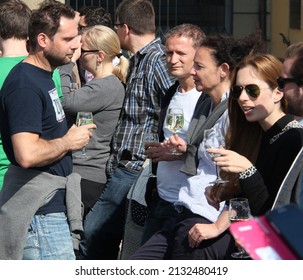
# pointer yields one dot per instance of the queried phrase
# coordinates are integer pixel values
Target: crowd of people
(57, 205)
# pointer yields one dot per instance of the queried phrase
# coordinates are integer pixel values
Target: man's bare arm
(32, 151)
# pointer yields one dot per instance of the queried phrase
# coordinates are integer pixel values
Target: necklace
(292, 124)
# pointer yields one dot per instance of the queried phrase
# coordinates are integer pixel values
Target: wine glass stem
(84, 151)
(217, 172)
(150, 167)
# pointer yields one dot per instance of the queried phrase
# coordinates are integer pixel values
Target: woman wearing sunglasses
(262, 139)
(213, 66)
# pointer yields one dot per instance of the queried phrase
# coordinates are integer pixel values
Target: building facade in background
(280, 20)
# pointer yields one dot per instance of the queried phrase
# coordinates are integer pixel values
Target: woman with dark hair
(262, 139)
(214, 63)
(262, 142)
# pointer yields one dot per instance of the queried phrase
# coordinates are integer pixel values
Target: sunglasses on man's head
(252, 90)
(283, 81)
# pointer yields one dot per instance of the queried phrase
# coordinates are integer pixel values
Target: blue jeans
(49, 238)
(104, 224)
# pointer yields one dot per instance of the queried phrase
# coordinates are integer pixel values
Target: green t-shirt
(6, 65)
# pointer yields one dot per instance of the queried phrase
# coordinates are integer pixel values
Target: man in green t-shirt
(14, 18)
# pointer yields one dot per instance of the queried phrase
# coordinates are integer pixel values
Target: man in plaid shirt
(147, 83)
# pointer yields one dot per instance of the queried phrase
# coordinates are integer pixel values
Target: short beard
(54, 61)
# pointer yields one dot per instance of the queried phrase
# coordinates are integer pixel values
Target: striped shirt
(147, 83)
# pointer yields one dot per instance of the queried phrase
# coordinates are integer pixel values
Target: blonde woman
(103, 96)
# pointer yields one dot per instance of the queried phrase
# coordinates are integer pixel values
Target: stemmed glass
(239, 210)
(174, 122)
(82, 119)
(150, 137)
(213, 138)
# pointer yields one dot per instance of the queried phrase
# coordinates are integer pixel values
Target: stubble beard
(55, 61)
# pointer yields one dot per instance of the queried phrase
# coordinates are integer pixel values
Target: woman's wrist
(247, 172)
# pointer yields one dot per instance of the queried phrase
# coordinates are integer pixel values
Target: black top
(277, 152)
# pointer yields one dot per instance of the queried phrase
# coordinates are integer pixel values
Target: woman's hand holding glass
(229, 161)
(213, 138)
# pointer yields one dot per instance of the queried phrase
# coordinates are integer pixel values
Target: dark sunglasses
(88, 51)
(252, 90)
(283, 81)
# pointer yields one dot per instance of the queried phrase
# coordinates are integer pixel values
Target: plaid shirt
(147, 83)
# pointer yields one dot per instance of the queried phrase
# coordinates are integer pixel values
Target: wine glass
(238, 211)
(82, 119)
(174, 122)
(150, 137)
(213, 138)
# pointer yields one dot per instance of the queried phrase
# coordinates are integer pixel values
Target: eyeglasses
(252, 90)
(81, 27)
(88, 51)
(118, 24)
(283, 81)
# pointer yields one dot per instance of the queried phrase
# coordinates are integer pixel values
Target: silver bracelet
(248, 172)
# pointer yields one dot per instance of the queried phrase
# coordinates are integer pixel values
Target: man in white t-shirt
(181, 44)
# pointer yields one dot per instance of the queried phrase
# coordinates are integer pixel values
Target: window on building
(295, 14)
(210, 15)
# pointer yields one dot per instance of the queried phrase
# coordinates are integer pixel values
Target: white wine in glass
(174, 122)
(238, 211)
(213, 138)
(174, 119)
(82, 119)
(150, 137)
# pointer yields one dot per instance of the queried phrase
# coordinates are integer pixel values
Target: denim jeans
(104, 224)
(49, 238)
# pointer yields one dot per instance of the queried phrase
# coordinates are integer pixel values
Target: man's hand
(160, 152)
(78, 137)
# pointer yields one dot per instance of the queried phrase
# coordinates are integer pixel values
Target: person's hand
(77, 52)
(78, 136)
(211, 198)
(177, 143)
(201, 232)
(160, 152)
(229, 161)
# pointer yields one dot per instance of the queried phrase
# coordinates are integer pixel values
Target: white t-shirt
(192, 192)
(169, 177)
